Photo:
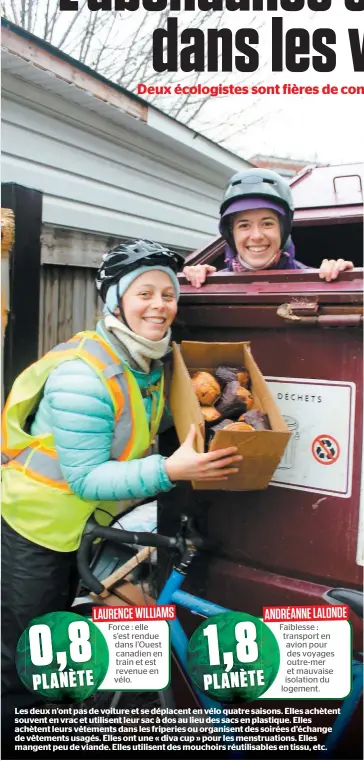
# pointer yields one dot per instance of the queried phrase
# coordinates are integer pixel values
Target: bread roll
(238, 427)
(210, 413)
(206, 387)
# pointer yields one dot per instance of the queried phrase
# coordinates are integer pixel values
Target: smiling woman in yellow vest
(77, 429)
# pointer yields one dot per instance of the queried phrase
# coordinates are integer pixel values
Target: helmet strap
(119, 308)
(123, 318)
(120, 305)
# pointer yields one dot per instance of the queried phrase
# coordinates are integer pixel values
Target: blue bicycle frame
(172, 593)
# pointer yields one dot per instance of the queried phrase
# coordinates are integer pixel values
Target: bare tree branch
(35, 18)
(71, 24)
(46, 21)
(30, 16)
(89, 36)
(53, 19)
(23, 13)
(132, 43)
(103, 47)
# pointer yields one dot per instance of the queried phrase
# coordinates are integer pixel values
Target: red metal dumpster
(291, 542)
(294, 541)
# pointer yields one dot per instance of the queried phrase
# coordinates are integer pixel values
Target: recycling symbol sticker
(325, 449)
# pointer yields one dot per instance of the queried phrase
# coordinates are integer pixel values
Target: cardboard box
(261, 450)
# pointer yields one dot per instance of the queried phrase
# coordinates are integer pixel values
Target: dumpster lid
(273, 287)
(335, 186)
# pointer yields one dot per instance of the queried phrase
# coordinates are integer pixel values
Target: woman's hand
(197, 274)
(330, 268)
(187, 465)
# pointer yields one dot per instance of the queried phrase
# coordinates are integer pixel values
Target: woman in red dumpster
(256, 216)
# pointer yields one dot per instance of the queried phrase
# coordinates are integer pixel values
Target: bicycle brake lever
(189, 536)
(199, 541)
(180, 545)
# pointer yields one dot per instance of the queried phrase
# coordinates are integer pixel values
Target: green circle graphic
(71, 660)
(244, 654)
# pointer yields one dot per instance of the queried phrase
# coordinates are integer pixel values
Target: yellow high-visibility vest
(37, 502)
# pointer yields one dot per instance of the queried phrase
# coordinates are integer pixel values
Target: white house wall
(102, 178)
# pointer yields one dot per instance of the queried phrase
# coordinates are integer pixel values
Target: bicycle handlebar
(94, 531)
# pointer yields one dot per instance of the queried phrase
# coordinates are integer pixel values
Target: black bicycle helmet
(257, 183)
(126, 257)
